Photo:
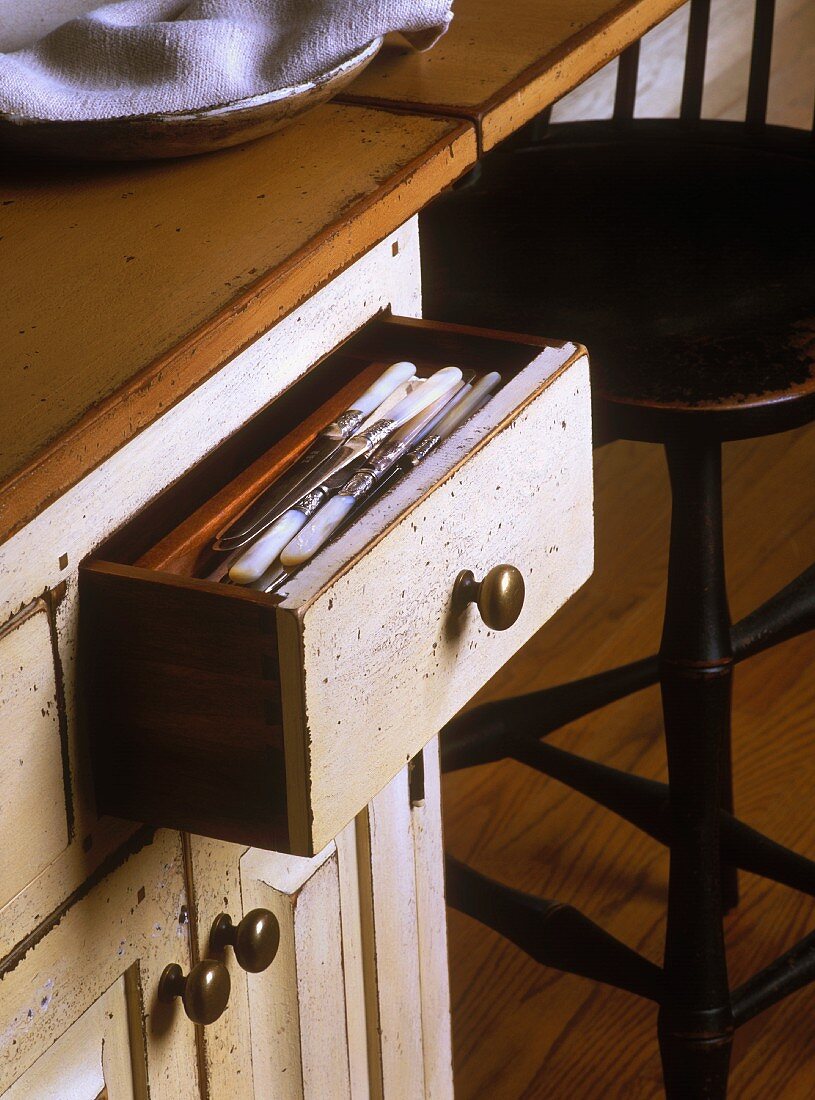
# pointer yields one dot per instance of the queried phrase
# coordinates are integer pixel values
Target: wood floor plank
(521, 1030)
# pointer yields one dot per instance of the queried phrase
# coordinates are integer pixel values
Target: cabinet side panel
(431, 918)
(391, 944)
(297, 1007)
(353, 961)
(33, 810)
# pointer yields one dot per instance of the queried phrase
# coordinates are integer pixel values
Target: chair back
(695, 63)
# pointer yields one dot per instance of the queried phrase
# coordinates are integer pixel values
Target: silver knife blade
(393, 460)
(259, 555)
(273, 501)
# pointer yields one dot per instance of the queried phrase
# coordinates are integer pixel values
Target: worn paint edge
(623, 19)
(139, 840)
(480, 113)
(48, 475)
(296, 740)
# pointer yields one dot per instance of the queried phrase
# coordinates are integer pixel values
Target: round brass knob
(204, 991)
(499, 596)
(255, 940)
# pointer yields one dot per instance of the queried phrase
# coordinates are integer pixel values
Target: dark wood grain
(183, 698)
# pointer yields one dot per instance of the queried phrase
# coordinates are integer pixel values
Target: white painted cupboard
(92, 909)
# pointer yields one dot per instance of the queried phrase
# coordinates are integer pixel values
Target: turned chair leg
(696, 666)
(730, 874)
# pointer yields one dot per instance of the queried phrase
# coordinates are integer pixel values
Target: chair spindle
(625, 96)
(758, 88)
(693, 83)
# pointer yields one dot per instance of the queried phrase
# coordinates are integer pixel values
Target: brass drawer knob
(255, 939)
(204, 991)
(499, 596)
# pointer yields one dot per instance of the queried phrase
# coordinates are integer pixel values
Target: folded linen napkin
(144, 56)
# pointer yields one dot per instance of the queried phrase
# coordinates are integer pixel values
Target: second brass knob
(255, 939)
(204, 991)
(499, 596)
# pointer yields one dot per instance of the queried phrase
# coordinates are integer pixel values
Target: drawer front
(87, 979)
(376, 662)
(272, 720)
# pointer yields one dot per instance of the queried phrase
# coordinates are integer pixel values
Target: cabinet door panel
(33, 818)
(400, 873)
(353, 958)
(356, 1002)
(93, 1058)
(387, 875)
(132, 922)
(297, 1009)
(284, 1035)
(226, 1045)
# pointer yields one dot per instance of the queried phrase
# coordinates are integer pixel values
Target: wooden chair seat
(682, 256)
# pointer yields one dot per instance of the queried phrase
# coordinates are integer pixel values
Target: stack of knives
(391, 428)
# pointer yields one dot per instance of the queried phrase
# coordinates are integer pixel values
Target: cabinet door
(78, 995)
(404, 935)
(297, 1010)
(93, 1059)
(356, 1001)
(284, 1034)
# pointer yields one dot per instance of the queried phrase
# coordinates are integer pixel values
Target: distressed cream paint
(374, 658)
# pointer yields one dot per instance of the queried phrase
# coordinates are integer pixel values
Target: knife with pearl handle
(385, 463)
(277, 574)
(285, 491)
(271, 573)
(227, 559)
(365, 442)
(259, 556)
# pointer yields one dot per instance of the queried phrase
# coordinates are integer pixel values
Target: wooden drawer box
(271, 720)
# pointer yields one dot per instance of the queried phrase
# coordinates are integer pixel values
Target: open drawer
(271, 720)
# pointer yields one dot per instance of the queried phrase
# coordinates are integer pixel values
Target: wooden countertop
(124, 287)
(501, 64)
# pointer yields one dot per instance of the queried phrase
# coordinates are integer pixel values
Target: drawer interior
(185, 681)
(186, 550)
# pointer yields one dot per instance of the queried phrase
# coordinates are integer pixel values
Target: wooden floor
(524, 1031)
(520, 1030)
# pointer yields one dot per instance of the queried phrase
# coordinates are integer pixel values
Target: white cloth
(143, 56)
